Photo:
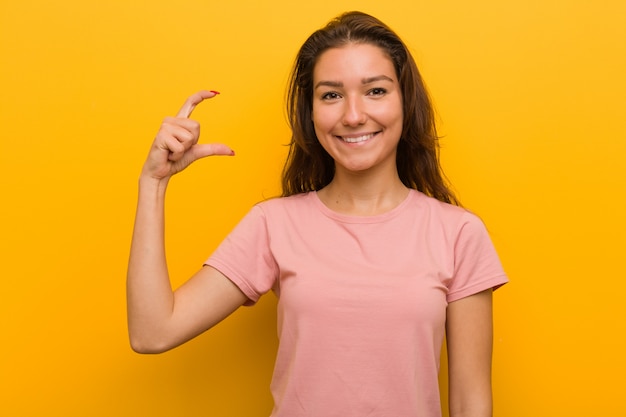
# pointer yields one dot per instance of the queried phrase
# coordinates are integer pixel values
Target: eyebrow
(364, 81)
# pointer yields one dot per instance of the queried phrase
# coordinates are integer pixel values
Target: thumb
(202, 150)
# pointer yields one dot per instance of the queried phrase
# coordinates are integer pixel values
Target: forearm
(149, 293)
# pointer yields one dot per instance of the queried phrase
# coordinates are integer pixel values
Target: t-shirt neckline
(377, 218)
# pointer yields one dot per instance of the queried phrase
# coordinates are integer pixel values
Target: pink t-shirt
(362, 300)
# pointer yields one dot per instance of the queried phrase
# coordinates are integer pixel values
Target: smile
(356, 139)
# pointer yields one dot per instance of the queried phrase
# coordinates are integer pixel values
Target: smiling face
(357, 107)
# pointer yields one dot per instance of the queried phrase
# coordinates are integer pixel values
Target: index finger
(193, 101)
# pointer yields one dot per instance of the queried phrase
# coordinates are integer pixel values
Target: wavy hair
(308, 166)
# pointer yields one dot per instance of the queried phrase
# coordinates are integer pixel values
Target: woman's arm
(158, 318)
(469, 330)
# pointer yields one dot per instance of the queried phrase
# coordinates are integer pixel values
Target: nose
(354, 112)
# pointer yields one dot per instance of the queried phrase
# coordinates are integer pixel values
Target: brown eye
(377, 92)
(331, 95)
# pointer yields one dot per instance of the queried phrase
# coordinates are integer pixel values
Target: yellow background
(530, 97)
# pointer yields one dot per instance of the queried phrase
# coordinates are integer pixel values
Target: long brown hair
(309, 167)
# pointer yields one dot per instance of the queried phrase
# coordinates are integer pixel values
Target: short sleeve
(476, 263)
(245, 256)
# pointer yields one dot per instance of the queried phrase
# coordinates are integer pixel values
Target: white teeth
(358, 138)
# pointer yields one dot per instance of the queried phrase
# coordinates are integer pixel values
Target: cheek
(322, 120)
(392, 117)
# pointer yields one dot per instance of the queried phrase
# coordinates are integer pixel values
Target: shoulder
(287, 210)
(441, 211)
(447, 220)
(294, 202)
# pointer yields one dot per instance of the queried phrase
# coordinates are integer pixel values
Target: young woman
(367, 250)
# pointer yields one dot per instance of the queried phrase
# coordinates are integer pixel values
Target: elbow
(478, 404)
(147, 346)
(145, 349)
(147, 338)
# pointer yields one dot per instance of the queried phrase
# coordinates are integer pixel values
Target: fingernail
(214, 92)
(232, 153)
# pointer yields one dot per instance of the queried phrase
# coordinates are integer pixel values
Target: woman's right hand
(158, 318)
(176, 145)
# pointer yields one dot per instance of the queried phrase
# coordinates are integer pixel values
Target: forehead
(358, 59)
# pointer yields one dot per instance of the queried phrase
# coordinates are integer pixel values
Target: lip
(357, 137)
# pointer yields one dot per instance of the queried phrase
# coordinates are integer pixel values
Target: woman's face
(357, 107)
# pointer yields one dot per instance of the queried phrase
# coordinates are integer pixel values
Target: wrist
(148, 182)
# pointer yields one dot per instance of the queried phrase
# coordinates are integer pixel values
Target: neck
(362, 193)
